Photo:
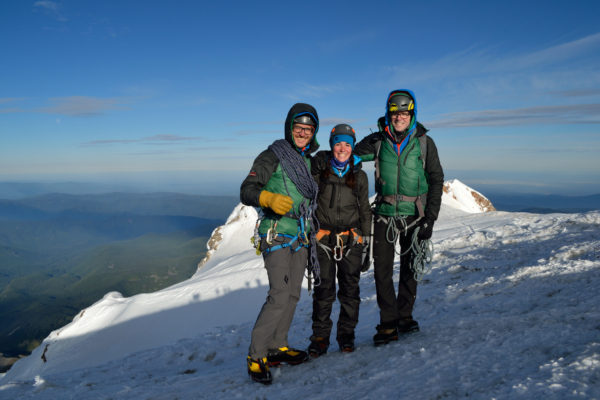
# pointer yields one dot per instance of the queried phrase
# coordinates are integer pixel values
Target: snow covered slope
(459, 196)
(509, 310)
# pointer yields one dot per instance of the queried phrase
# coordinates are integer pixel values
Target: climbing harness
(339, 250)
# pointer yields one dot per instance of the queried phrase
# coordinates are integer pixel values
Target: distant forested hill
(60, 253)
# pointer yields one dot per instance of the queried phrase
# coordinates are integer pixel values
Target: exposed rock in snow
(460, 196)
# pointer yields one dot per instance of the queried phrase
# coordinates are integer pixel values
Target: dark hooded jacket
(405, 181)
(341, 207)
(266, 174)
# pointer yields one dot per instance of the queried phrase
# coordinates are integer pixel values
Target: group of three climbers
(315, 214)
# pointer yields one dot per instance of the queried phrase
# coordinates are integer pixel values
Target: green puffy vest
(402, 175)
(285, 224)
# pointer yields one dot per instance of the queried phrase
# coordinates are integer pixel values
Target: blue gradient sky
(189, 92)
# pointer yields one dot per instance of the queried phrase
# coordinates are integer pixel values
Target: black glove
(365, 260)
(425, 229)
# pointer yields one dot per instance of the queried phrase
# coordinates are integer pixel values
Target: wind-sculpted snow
(508, 311)
(460, 196)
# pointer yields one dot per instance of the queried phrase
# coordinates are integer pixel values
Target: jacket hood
(297, 110)
(413, 121)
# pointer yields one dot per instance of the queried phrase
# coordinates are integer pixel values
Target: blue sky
(188, 93)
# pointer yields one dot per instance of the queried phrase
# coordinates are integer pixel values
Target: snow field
(508, 311)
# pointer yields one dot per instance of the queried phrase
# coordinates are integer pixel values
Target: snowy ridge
(459, 196)
(509, 310)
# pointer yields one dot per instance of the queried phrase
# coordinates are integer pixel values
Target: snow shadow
(141, 333)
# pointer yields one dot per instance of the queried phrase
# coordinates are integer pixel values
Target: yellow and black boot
(259, 370)
(285, 355)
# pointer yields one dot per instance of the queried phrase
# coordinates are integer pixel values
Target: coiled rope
(422, 249)
(296, 169)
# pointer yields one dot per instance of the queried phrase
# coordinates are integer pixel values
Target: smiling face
(302, 134)
(342, 151)
(400, 120)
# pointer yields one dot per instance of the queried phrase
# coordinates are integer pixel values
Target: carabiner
(302, 236)
(338, 250)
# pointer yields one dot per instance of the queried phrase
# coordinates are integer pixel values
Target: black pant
(348, 275)
(392, 307)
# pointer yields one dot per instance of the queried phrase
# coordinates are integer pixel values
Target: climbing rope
(422, 249)
(422, 256)
(296, 169)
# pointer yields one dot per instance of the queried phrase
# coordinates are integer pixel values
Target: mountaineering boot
(259, 370)
(318, 346)
(287, 356)
(346, 343)
(385, 334)
(407, 325)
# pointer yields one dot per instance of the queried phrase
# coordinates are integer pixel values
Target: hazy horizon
(112, 92)
(228, 183)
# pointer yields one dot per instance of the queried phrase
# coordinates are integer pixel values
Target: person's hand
(279, 203)
(425, 229)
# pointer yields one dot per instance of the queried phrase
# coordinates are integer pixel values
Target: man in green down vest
(408, 181)
(280, 183)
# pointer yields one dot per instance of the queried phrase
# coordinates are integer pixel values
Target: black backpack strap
(423, 143)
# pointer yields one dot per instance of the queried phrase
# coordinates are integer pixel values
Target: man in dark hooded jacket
(408, 181)
(280, 184)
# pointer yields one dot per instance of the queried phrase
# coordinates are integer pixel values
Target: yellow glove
(277, 202)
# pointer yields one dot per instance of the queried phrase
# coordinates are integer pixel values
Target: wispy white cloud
(346, 40)
(249, 132)
(577, 92)
(10, 110)
(155, 139)
(83, 105)
(488, 77)
(259, 131)
(4, 100)
(305, 90)
(335, 121)
(51, 8)
(475, 62)
(554, 54)
(564, 114)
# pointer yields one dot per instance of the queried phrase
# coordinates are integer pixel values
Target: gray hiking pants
(285, 269)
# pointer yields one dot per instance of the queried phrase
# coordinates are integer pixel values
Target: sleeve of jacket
(364, 205)
(365, 149)
(263, 167)
(318, 164)
(435, 179)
